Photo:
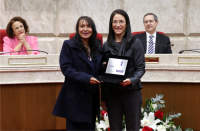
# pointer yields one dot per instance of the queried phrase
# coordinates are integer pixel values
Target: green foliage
(148, 106)
(178, 127)
(188, 129)
(164, 118)
(123, 123)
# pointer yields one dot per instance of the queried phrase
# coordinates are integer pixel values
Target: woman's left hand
(94, 81)
(126, 82)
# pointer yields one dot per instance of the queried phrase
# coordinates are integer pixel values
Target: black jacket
(137, 70)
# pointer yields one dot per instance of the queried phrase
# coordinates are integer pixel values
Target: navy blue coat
(76, 95)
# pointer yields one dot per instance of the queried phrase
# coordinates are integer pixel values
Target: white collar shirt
(154, 41)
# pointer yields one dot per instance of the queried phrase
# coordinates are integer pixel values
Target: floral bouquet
(154, 120)
(104, 124)
(151, 118)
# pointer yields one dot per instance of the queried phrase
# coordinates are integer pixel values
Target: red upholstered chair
(134, 33)
(99, 36)
(2, 34)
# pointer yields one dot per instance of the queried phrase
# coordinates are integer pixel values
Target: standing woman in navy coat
(80, 58)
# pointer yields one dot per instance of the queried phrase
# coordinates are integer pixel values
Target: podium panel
(29, 107)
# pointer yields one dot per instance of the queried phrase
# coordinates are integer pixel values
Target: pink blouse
(10, 43)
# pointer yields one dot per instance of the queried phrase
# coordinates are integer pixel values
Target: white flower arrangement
(104, 124)
(151, 119)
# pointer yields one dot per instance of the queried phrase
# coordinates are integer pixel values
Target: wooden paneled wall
(29, 106)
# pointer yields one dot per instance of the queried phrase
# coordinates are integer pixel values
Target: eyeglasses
(121, 22)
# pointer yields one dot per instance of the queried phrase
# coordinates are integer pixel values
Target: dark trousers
(127, 103)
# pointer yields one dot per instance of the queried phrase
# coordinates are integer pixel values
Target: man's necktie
(151, 45)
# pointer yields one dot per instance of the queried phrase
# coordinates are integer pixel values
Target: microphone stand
(192, 50)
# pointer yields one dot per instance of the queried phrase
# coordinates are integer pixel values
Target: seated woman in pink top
(17, 40)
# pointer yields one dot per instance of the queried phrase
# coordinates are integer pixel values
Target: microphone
(23, 51)
(192, 50)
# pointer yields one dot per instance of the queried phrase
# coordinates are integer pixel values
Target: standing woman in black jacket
(124, 98)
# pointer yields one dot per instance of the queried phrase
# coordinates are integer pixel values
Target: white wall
(53, 20)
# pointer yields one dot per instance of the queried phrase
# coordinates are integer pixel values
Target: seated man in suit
(153, 42)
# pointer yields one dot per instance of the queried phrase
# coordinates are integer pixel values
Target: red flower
(108, 128)
(103, 112)
(159, 114)
(146, 128)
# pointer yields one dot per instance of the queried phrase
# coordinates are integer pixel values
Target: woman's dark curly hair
(94, 44)
(9, 29)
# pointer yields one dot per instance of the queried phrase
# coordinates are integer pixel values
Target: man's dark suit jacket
(162, 43)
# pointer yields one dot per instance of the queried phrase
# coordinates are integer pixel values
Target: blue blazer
(76, 95)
